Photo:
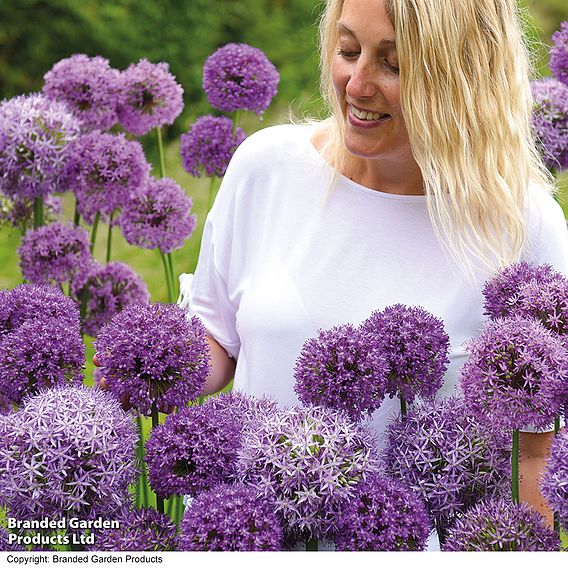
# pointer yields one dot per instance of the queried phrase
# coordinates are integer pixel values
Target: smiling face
(366, 79)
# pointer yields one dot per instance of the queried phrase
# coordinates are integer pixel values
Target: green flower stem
(515, 467)
(170, 259)
(179, 509)
(161, 152)
(38, 212)
(403, 409)
(94, 231)
(141, 496)
(556, 425)
(155, 422)
(109, 239)
(212, 192)
(236, 118)
(168, 277)
(77, 215)
(311, 544)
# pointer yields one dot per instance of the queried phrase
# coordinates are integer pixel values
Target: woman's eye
(347, 54)
(392, 68)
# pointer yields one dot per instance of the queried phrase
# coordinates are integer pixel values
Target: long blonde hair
(466, 101)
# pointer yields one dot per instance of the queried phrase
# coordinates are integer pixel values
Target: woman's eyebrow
(383, 44)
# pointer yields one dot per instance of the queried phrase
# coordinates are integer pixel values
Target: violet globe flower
(89, 87)
(238, 76)
(440, 451)
(550, 121)
(34, 134)
(209, 146)
(68, 452)
(30, 303)
(153, 355)
(559, 54)
(104, 169)
(502, 291)
(500, 525)
(54, 253)
(307, 461)
(158, 216)
(140, 530)
(384, 515)
(40, 354)
(415, 346)
(150, 97)
(555, 477)
(515, 375)
(231, 518)
(109, 289)
(339, 369)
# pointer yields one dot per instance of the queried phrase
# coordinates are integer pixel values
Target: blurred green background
(34, 34)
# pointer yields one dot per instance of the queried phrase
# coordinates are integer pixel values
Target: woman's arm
(222, 368)
(533, 450)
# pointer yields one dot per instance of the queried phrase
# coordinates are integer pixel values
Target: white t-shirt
(282, 257)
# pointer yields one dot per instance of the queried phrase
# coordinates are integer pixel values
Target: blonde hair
(466, 101)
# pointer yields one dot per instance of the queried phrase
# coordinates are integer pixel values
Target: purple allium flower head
(152, 354)
(447, 457)
(31, 302)
(158, 216)
(150, 98)
(239, 76)
(502, 291)
(68, 452)
(384, 515)
(54, 253)
(6, 545)
(109, 289)
(18, 213)
(515, 375)
(415, 346)
(39, 354)
(209, 145)
(140, 529)
(500, 525)
(192, 451)
(89, 86)
(340, 369)
(555, 478)
(559, 54)
(104, 169)
(231, 518)
(307, 461)
(550, 120)
(34, 133)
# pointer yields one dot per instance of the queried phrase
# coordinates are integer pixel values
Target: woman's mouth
(359, 117)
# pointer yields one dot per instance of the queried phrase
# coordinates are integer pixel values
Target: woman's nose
(363, 80)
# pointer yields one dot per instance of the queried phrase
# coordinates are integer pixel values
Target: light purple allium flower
(559, 54)
(340, 369)
(34, 133)
(384, 515)
(140, 529)
(502, 291)
(500, 525)
(68, 452)
(104, 169)
(109, 289)
(239, 76)
(515, 375)
(5, 545)
(555, 478)
(445, 455)
(415, 346)
(231, 518)
(18, 213)
(150, 97)
(550, 120)
(40, 354)
(193, 451)
(158, 216)
(31, 302)
(54, 253)
(89, 86)
(209, 145)
(308, 462)
(152, 354)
